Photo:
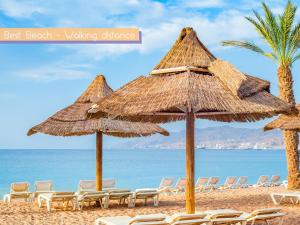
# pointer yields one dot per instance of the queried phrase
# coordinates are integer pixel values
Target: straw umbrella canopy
(188, 83)
(286, 122)
(72, 121)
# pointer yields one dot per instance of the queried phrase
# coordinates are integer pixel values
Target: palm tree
(283, 39)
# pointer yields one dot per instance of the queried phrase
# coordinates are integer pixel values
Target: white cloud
(203, 3)
(56, 71)
(160, 24)
(18, 9)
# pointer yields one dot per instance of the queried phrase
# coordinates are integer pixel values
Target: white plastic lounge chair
(145, 194)
(86, 186)
(241, 182)
(42, 187)
(262, 181)
(285, 183)
(121, 196)
(188, 219)
(166, 185)
(293, 197)
(201, 183)
(229, 183)
(264, 215)
(180, 185)
(152, 219)
(212, 183)
(225, 216)
(275, 181)
(59, 197)
(223, 213)
(93, 197)
(19, 190)
(108, 184)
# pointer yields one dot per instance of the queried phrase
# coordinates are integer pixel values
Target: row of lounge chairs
(210, 217)
(168, 185)
(85, 195)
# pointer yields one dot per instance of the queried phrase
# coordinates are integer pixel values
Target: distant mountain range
(224, 137)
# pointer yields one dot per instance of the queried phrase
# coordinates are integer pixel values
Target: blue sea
(133, 168)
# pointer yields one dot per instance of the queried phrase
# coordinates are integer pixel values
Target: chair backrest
(275, 179)
(148, 218)
(87, 185)
(242, 180)
(226, 215)
(181, 183)
(262, 180)
(213, 180)
(45, 185)
(230, 181)
(109, 183)
(265, 211)
(202, 181)
(19, 187)
(182, 216)
(167, 182)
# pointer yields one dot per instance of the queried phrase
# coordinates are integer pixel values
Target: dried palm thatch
(286, 122)
(72, 121)
(190, 78)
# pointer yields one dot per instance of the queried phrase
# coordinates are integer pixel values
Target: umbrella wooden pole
(99, 161)
(190, 163)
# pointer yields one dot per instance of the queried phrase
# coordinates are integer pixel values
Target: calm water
(133, 168)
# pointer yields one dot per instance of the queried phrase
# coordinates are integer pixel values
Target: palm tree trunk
(291, 138)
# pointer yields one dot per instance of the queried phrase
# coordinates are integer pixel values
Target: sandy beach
(243, 199)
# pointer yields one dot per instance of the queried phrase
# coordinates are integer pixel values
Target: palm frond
(244, 44)
(297, 57)
(286, 22)
(273, 28)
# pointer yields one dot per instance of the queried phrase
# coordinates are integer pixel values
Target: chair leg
(48, 203)
(155, 199)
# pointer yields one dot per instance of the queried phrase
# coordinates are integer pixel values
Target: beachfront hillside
(224, 137)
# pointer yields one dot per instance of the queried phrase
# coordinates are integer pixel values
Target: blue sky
(39, 79)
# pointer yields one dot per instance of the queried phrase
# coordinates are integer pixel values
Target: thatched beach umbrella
(72, 121)
(286, 122)
(190, 83)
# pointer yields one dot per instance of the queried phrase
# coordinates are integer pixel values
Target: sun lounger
(229, 183)
(285, 183)
(223, 213)
(262, 181)
(19, 190)
(109, 184)
(93, 197)
(225, 216)
(121, 195)
(275, 181)
(59, 197)
(166, 185)
(293, 197)
(42, 187)
(146, 194)
(180, 185)
(212, 183)
(153, 219)
(188, 219)
(86, 186)
(264, 216)
(201, 184)
(241, 182)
